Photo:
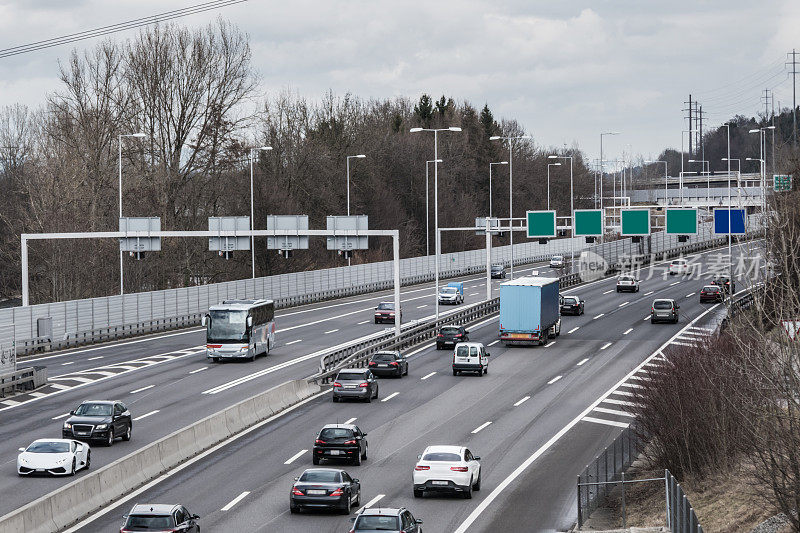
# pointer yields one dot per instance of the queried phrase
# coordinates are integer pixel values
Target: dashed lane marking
(554, 380)
(582, 362)
(236, 500)
(481, 427)
(291, 459)
(604, 421)
(151, 413)
(523, 400)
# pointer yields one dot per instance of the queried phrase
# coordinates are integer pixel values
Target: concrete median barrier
(98, 488)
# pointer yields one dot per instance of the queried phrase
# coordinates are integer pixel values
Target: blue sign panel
(737, 218)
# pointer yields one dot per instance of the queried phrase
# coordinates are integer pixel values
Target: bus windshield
(227, 326)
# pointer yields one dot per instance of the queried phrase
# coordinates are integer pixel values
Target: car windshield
(336, 433)
(48, 447)
(377, 523)
(351, 376)
(94, 409)
(662, 304)
(463, 351)
(383, 357)
(569, 300)
(679, 262)
(227, 326)
(441, 456)
(149, 522)
(625, 279)
(449, 290)
(497, 267)
(385, 306)
(711, 288)
(449, 331)
(320, 476)
(557, 258)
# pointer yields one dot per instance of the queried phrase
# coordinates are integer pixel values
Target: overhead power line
(114, 28)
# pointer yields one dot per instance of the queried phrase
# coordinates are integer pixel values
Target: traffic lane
(507, 381)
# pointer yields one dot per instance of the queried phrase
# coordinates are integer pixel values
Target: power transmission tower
(694, 120)
(794, 73)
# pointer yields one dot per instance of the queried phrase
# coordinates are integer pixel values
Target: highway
(167, 382)
(536, 419)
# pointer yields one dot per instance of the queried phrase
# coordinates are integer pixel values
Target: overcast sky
(567, 70)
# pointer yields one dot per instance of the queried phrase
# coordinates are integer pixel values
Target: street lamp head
(139, 135)
(414, 130)
(494, 138)
(454, 128)
(552, 157)
(756, 130)
(554, 164)
(265, 148)
(361, 156)
(503, 162)
(770, 128)
(610, 133)
(750, 159)
(524, 137)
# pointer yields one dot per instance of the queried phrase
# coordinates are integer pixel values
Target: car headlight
(101, 426)
(67, 425)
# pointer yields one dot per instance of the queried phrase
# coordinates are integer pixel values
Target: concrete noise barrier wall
(78, 499)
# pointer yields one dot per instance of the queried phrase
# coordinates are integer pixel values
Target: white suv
(447, 469)
(627, 283)
(678, 266)
(557, 261)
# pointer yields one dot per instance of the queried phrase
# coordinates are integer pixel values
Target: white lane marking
(620, 402)
(294, 342)
(628, 331)
(95, 358)
(598, 316)
(606, 422)
(482, 426)
(198, 370)
(647, 317)
(74, 378)
(59, 386)
(332, 331)
(99, 372)
(626, 392)
(582, 362)
(362, 322)
(236, 500)
(675, 283)
(554, 380)
(37, 394)
(573, 330)
(392, 395)
(613, 411)
(623, 304)
(493, 342)
(151, 413)
(351, 420)
(606, 345)
(422, 306)
(68, 363)
(649, 293)
(10, 403)
(472, 294)
(523, 400)
(291, 459)
(370, 503)
(682, 343)
(689, 295)
(423, 378)
(631, 385)
(705, 330)
(609, 290)
(65, 415)
(549, 344)
(143, 388)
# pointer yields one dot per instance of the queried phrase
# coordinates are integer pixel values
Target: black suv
(498, 272)
(389, 364)
(389, 520)
(340, 441)
(725, 283)
(101, 420)
(451, 335)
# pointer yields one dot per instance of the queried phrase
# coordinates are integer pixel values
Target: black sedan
(572, 305)
(389, 364)
(498, 272)
(324, 488)
(389, 520)
(450, 336)
(726, 283)
(340, 441)
(98, 420)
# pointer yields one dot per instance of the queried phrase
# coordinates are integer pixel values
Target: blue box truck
(529, 310)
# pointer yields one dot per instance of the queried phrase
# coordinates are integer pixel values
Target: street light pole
(119, 142)
(490, 183)
(601, 171)
(252, 220)
(510, 192)
(548, 180)
(680, 181)
(437, 241)
(427, 211)
(571, 205)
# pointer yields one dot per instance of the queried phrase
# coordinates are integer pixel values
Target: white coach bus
(239, 329)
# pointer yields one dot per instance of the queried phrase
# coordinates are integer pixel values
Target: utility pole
(794, 73)
(702, 141)
(691, 126)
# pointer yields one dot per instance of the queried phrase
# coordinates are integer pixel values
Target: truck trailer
(529, 310)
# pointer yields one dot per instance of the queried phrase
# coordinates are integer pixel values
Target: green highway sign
(681, 221)
(635, 222)
(541, 224)
(782, 183)
(588, 222)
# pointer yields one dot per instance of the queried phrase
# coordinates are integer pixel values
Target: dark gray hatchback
(356, 383)
(450, 336)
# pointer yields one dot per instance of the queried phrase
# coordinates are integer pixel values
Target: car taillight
(420, 467)
(319, 442)
(365, 384)
(337, 384)
(350, 442)
(337, 492)
(440, 335)
(459, 468)
(372, 363)
(394, 364)
(297, 492)
(458, 334)
(391, 314)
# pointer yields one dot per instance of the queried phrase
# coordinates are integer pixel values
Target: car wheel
(335, 399)
(637, 288)
(294, 509)
(369, 399)
(406, 370)
(467, 494)
(376, 320)
(486, 369)
(88, 459)
(345, 509)
(364, 455)
(110, 439)
(617, 289)
(357, 502)
(455, 372)
(477, 485)
(439, 347)
(376, 393)
(215, 360)
(418, 493)
(74, 466)
(127, 436)
(314, 459)
(357, 460)
(652, 321)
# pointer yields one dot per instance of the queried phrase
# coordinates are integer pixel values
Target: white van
(470, 357)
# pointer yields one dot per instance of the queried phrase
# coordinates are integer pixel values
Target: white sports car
(59, 457)
(447, 469)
